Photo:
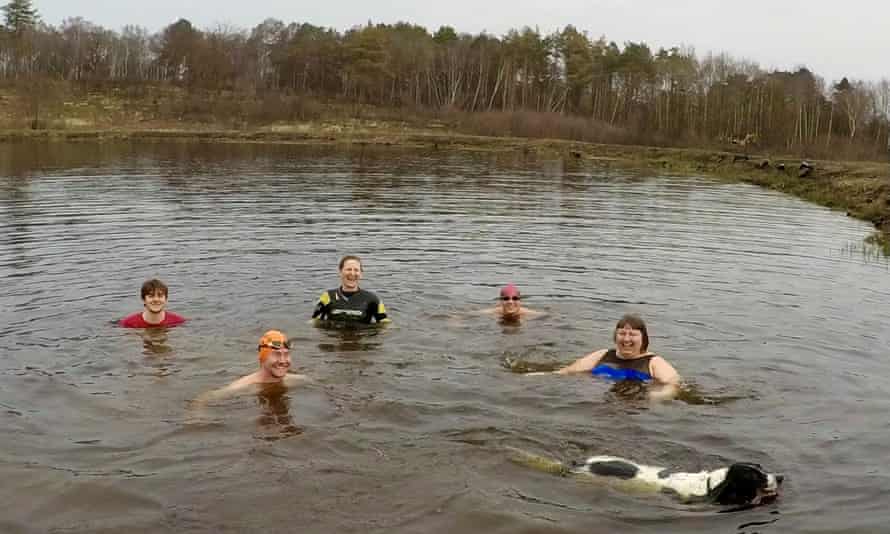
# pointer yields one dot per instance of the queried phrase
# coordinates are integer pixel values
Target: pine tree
(20, 15)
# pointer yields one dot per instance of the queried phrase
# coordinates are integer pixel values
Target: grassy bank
(860, 189)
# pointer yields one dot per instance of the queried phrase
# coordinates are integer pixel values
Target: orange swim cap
(272, 340)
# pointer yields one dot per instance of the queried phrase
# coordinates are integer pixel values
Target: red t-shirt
(136, 321)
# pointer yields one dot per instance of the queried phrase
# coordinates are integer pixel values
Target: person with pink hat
(510, 308)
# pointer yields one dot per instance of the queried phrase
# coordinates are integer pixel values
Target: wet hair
(344, 259)
(636, 323)
(741, 485)
(150, 287)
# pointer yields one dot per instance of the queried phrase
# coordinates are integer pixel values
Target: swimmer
(629, 360)
(154, 300)
(349, 303)
(510, 308)
(274, 359)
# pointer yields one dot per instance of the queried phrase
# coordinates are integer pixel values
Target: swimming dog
(739, 484)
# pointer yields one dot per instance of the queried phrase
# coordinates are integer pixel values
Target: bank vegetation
(566, 84)
(401, 83)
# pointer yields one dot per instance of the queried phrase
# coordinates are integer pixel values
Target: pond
(772, 309)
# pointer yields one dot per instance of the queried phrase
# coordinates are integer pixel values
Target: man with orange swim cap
(272, 343)
(273, 352)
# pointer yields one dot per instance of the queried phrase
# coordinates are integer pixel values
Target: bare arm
(241, 385)
(226, 391)
(662, 371)
(583, 364)
(667, 377)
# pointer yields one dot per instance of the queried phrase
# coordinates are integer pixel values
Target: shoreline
(859, 189)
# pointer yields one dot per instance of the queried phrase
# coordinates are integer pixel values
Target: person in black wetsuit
(630, 360)
(348, 303)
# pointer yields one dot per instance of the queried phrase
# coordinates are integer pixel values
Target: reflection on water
(874, 249)
(519, 364)
(275, 421)
(154, 341)
(765, 304)
(690, 393)
(629, 390)
(349, 338)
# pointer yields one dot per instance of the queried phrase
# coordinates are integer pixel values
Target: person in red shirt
(154, 300)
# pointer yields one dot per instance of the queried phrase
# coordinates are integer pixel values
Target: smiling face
(350, 275)
(510, 305)
(628, 341)
(276, 363)
(274, 354)
(155, 302)
(631, 337)
(510, 302)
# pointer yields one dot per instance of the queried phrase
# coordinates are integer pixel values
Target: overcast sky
(832, 38)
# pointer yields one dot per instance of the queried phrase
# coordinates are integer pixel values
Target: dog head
(746, 484)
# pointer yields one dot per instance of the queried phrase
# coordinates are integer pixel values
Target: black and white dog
(740, 484)
(744, 484)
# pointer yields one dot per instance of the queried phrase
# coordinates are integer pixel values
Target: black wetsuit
(357, 307)
(617, 368)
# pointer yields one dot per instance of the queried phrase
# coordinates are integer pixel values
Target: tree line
(664, 96)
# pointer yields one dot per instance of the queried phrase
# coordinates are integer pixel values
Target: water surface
(770, 307)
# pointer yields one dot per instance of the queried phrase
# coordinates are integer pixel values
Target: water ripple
(764, 302)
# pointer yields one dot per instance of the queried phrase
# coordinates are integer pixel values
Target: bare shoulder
(235, 387)
(594, 358)
(663, 371)
(226, 391)
(242, 382)
(598, 354)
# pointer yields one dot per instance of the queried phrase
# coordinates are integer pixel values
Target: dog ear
(740, 485)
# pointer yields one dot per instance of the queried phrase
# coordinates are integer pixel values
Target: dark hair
(742, 482)
(344, 259)
(150, 287)
(636, 323)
